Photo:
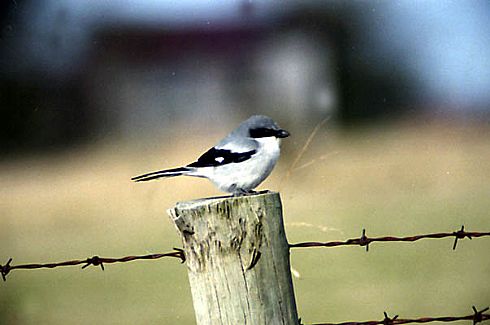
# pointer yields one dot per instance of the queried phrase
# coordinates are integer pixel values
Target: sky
(444, 45)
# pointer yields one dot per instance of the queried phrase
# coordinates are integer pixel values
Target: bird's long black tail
(161, 173)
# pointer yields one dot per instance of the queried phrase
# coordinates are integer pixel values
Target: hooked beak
(282, 134)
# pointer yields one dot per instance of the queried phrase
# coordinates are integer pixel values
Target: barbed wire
(365, 240)
(179, 253)
(476, 317)
(95, 261)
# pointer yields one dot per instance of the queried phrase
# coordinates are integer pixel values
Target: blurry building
(150, 78)
(91, 72)
(76, 70)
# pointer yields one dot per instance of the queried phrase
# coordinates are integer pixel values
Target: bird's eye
(262, 133)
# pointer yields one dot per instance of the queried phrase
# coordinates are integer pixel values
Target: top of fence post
(238, 259)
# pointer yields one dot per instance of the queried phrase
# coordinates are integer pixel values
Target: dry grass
(402, 180)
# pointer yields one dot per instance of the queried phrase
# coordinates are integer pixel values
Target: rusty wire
(476, 317)
(178, 253)
(365, 240)
(95, 261)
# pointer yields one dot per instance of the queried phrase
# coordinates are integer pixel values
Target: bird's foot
(242, 192)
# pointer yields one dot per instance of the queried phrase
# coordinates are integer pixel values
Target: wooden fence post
(237, 258)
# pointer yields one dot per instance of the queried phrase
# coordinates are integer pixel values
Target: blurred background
(95, 92)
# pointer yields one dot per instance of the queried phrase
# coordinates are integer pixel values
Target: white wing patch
(219, 159)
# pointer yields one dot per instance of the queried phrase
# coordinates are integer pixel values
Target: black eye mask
(265, 132)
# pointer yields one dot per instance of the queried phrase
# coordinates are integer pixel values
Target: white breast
(248, 174)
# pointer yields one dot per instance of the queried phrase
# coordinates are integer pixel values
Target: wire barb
(365, 241)
(460, 234)
(5, 269)
(478, 316)
(387, 320)
(95, 261)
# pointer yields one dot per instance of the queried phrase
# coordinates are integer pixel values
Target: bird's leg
(239, 192)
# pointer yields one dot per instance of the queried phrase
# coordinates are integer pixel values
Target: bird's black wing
(217, 157)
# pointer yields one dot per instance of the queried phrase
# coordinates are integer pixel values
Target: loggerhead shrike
(239, 162)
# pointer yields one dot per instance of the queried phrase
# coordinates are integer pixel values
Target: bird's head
(260, 126)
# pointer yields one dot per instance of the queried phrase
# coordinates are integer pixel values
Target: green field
(396, 180)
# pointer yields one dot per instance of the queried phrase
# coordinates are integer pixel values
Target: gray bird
(239, 162)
